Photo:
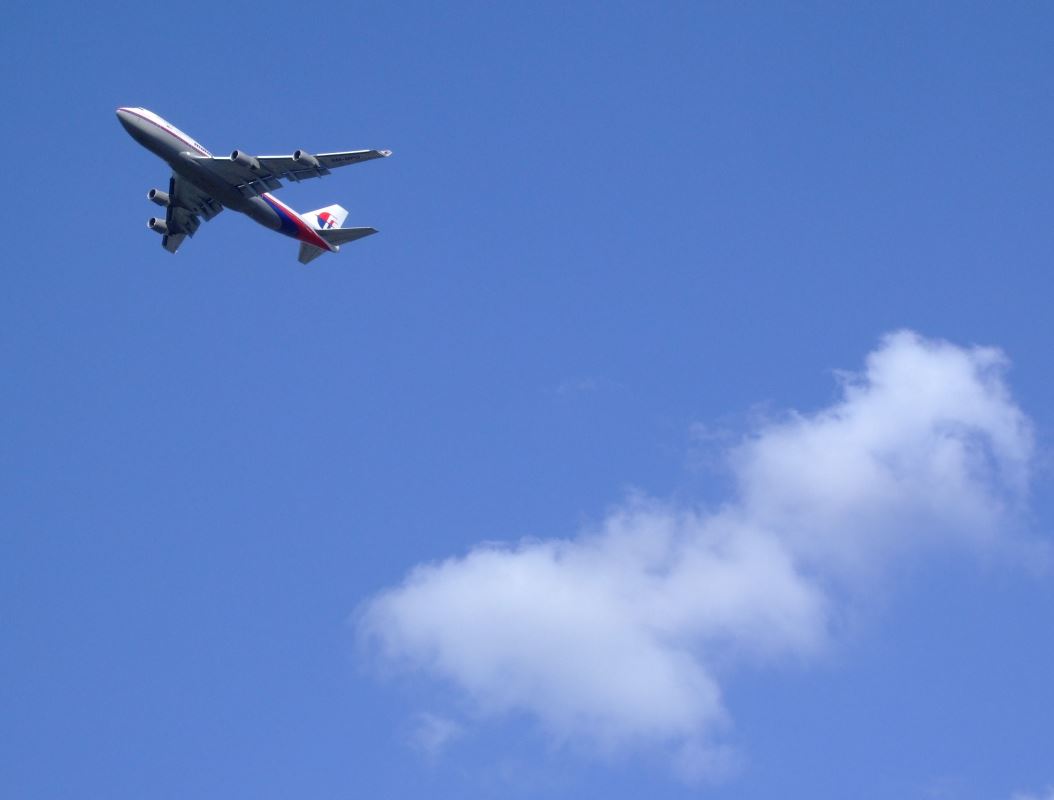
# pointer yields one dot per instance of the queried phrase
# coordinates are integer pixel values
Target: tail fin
(324, 219)
(327, 222)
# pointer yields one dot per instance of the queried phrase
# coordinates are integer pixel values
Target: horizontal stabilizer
(339, 236)
(308, 253)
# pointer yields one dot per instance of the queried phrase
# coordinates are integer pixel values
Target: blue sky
(620, 244)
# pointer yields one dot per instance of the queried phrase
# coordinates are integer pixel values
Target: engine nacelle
(238, 157)
(305, 158)
(159, 197)
(157, 225)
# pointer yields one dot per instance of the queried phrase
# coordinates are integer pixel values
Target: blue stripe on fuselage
(289, 226)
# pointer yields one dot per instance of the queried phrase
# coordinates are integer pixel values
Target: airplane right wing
(252, 176)
(186, 203)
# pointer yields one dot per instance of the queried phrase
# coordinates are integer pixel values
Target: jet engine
(238, 157)
(157, 225)
(157, 196)
(305, 158)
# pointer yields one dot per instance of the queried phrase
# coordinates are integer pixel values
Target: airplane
(202, 185)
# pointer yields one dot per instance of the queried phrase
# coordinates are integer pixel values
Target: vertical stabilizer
(327, 218)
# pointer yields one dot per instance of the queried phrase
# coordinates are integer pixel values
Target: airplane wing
(186, 203)
(254, 176)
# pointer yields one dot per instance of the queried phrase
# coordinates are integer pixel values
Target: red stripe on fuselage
(306, 234)
(195, 145)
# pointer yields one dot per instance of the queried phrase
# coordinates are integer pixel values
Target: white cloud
(617, 637)
(926, 447)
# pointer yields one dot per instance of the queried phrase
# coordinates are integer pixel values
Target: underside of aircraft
(202, 185)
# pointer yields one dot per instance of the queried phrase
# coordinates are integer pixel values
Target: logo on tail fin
(326, 220)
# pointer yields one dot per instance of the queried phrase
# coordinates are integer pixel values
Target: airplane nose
(124, 118)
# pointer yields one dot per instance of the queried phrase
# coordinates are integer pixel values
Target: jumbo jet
(202, 185)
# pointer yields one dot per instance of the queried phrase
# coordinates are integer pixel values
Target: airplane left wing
(186, 203)
(253, 176)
